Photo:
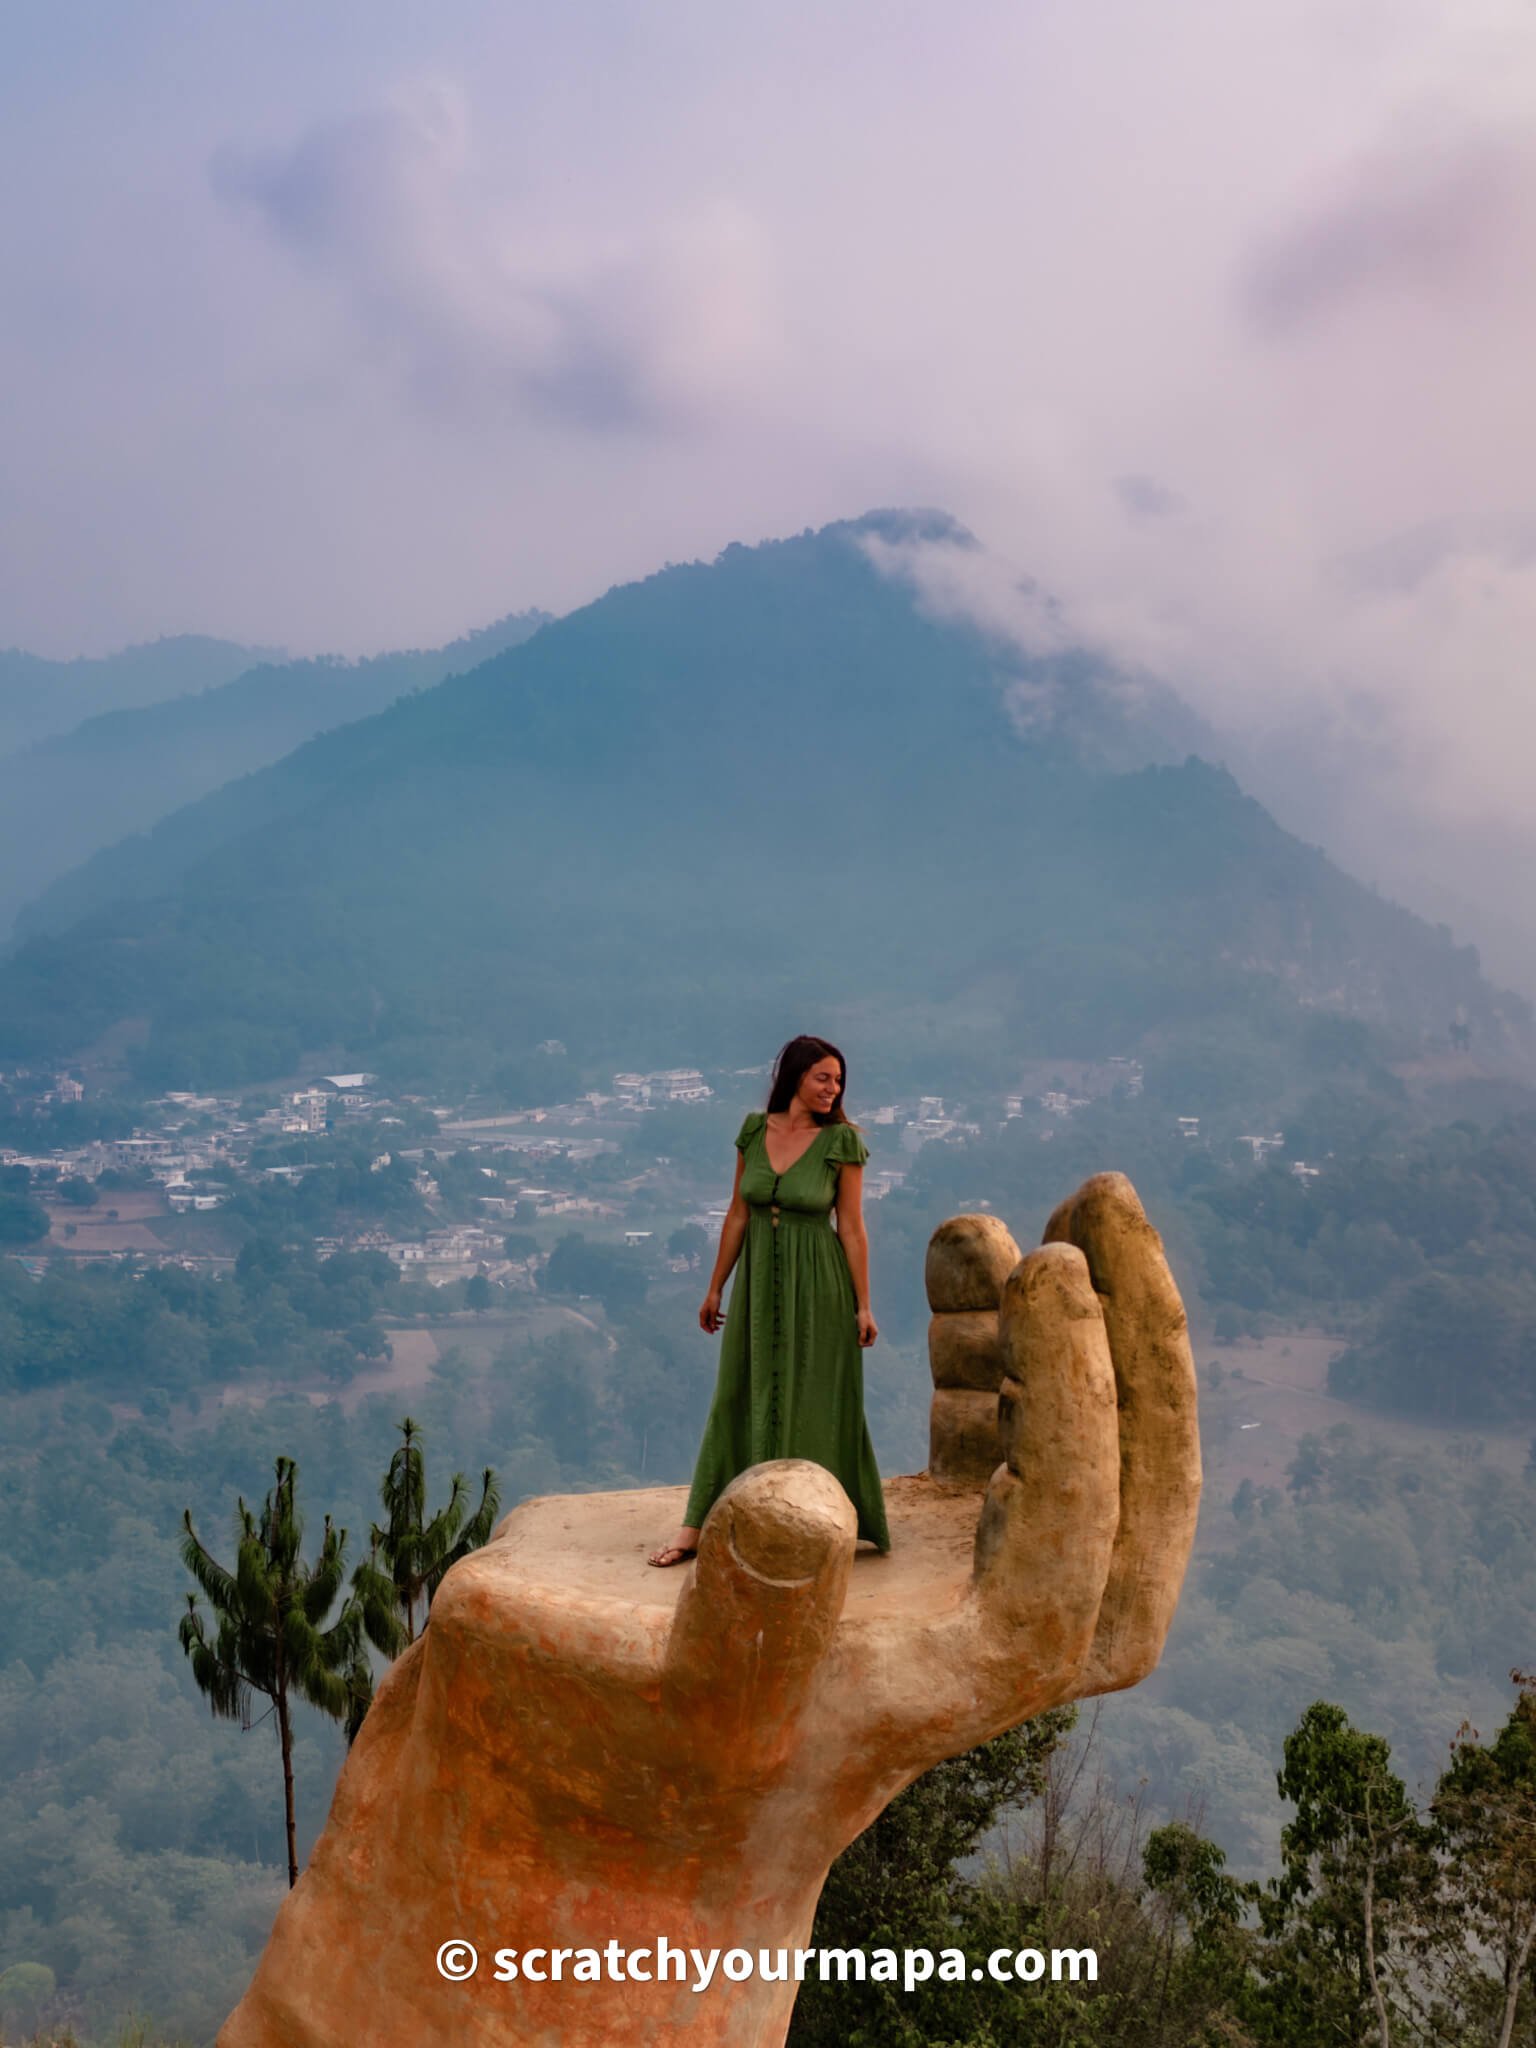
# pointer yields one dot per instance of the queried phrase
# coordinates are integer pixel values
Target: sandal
(670, 1554)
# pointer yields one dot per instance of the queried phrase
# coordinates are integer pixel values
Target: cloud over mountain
(474, 309)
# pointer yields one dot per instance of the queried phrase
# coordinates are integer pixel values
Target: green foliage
(1354, 1862)
(1432, 1232)
(1484, 1812)
(689, 1241)
(25, 1988)
(22, 1221)
(128, 1328)
(409, 1554)
(534, 1079)
(897, 1886)
(273, 1636)
(615, 1274)
(1453, 1345)
(340, 1188)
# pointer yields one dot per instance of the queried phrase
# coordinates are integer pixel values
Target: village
(549, 1169)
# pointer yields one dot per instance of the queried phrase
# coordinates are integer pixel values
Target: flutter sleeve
(845, 1147)
(750, 1126)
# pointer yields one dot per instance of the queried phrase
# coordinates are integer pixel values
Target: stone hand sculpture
(579, 1751)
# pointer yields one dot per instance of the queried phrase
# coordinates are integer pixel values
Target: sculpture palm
(567, 1758)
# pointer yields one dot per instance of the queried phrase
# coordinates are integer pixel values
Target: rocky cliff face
(581, 1752)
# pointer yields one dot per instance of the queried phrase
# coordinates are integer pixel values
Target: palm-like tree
(409, 1555)
(271, 1636)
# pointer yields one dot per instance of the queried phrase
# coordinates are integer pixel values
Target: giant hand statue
(581, 1751)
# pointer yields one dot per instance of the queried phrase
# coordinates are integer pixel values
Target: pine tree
(271, 1636)
(409, 1555)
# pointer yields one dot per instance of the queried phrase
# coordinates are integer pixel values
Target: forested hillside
(838, 813)
(145, 1838)
(121, 770)
(39, 696)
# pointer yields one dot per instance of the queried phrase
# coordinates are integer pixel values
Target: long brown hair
(793, 1061)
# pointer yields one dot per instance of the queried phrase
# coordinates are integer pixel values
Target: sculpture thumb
(751, 1629)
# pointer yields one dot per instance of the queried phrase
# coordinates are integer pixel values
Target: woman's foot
(684, 1544)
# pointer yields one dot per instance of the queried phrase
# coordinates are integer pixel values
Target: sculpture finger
(1158, 1427)
(751, 1629)
(969, 1260)
(1047, 1528)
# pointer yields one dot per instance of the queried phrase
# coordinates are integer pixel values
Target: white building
(1262, 1146)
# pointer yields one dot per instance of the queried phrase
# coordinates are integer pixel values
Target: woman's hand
(868, 1328)
(710, 1317)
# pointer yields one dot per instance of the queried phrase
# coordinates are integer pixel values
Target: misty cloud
(1143, 497)
(1397, 562)
(1054, 681)
(382, 207)
(1425, 223)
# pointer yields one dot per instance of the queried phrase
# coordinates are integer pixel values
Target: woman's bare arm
(855, 1243)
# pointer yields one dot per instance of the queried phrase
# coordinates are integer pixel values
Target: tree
(25, 1988)
(22, 1221)
(477, 1292)
(688, 1242)
(1355, 1869)
(896, 1886)
(1308, 1469)
(1203, 1960)
(611, 1272)
(409, 1555)
(1485, 1811)
(271, 1636)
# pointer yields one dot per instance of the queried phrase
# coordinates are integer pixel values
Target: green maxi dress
(791, 1381)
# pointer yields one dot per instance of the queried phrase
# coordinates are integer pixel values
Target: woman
(791, 1379)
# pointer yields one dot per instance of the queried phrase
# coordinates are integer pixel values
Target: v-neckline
(779, 1172)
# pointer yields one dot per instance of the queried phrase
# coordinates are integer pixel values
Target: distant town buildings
(673, 1084)
(1262, 1147)
(202, 1151)
(1056, 1102)
(311, 1108)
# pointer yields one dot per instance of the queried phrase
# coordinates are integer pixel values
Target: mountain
(729, 802)
(39, 697)
(75, 792)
